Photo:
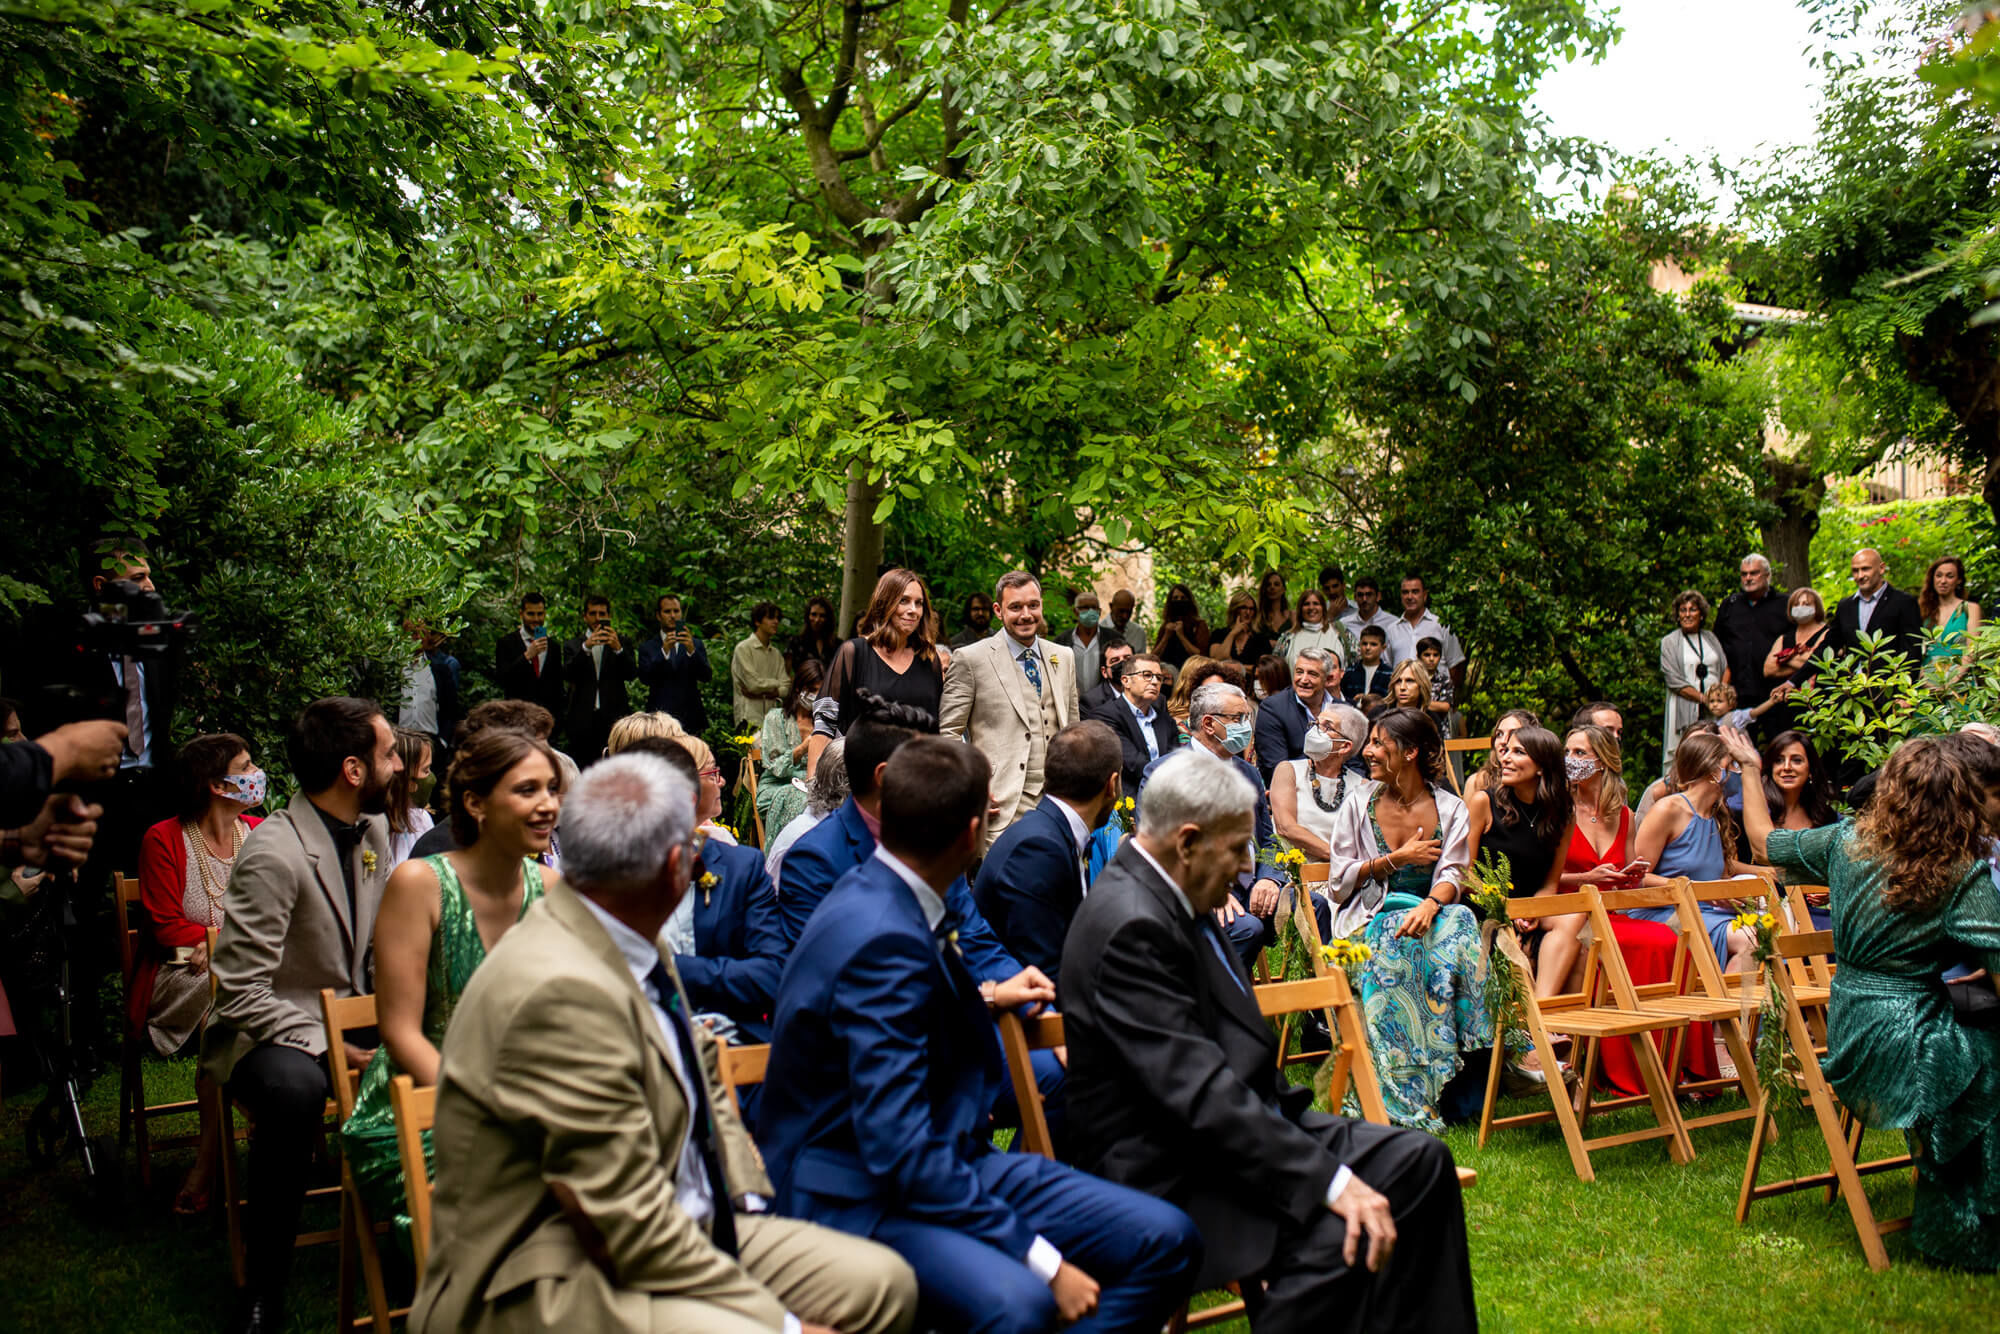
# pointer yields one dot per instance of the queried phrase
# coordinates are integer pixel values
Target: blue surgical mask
(247, 789)
(1236, 736)
(1088, 616)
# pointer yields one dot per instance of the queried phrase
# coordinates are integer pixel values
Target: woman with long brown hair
(1947, 610)
(1195, 673)
(889, 654)
(1242, 641)
(1689, 833)
(1913, 895)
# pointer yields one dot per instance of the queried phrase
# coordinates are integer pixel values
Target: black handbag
(1974, 1003)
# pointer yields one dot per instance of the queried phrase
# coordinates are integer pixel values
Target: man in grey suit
(299, 916)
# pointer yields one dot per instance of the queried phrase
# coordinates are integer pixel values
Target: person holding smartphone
(524, 662)
(596, 665)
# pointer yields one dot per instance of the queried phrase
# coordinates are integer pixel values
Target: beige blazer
(556, 1091)
(987, 700)
(287, 933)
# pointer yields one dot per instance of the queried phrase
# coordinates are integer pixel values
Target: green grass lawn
(1648, 1246)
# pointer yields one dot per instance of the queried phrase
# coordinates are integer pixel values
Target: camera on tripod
(133, 622)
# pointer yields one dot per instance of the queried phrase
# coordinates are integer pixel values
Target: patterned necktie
(722, 1223)
(1033, 669)
(1213, 934)
(135, 711)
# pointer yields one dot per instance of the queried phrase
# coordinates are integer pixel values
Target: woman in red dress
(1599, 853)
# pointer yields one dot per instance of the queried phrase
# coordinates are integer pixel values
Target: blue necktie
(722, 1224)
(1214, 936)
(1033, 669)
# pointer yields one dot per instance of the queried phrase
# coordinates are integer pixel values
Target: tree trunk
(1797, 490)
(862, 546)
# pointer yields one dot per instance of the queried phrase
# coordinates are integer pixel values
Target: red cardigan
(162, 892)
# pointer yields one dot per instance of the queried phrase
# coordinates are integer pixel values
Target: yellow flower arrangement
(708, 880)
(1345, 954)
(1291, 857)
(747, 740)
(1750, 920)
(368, 860)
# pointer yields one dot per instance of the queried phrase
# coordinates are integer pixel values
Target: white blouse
(1353, 845)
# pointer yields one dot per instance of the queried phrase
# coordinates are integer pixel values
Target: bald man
(1877, 607)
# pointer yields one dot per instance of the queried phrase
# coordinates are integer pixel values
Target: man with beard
(301, 916)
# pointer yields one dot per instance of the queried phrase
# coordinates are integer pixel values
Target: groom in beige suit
(1008, 694)
(592, 1174)
(298, 916)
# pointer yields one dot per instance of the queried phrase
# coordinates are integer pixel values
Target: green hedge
(1910, 534)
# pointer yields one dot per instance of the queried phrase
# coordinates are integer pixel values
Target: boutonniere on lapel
(707, 883)
(368, 860)
(1053, 660)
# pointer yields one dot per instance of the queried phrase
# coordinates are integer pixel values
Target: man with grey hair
(1219, 723)
(1747, 623)
(591, 1173)
(826, 789)
(1286, 717)
(1327, 1223)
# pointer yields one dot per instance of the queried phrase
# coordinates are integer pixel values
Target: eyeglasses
(1147, 676)
(715, 774)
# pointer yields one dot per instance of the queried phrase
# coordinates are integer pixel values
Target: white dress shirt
(1403, 639)
(1865, 604)
(1080, 832)
(419, 710)
(1146, 726)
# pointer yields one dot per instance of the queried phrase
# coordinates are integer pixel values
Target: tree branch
(881, 127)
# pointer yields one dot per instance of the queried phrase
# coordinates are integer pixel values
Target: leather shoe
(259, 1315)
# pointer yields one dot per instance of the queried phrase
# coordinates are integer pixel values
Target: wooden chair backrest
(743, 1065)
(344, 1014)
(1316, 873)
(1701, 960)
(1020, 1038)
(125, 893)
(415, 1109)
(1810, 969)
(1465, 745)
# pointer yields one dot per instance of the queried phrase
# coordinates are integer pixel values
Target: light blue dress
(1696, 852)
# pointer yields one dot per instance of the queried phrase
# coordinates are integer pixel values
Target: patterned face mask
(247, 789)
(1579, 767)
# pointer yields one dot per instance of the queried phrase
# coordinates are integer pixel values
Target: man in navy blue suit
(1033, 878)
(1219, 722)
(673, 666)
(1139, 717)
(883, 1064)
(1284, 719)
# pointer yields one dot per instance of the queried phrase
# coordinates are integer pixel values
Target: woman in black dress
(1790, 660)
(888, 656)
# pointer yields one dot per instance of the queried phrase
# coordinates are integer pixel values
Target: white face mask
(1802, 612)
(1318, 745)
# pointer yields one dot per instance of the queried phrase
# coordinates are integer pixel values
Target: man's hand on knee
(1075, 1293)
(1365, 1210)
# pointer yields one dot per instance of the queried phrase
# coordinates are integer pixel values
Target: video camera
(133, 622)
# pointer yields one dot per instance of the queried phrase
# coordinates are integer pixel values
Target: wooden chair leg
(1499, 1058)
(348, 1231)
(1758, 1138)
(224, 1112)
(1660, 1091)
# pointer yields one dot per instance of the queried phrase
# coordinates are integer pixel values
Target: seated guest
(708, 775)
(1110, 666)
(1033, 878)
(1307, 792)
(440, 916)
(1183, 634)
(302, 901)
(1286, 717)
(1219, 722)
(520, 715)
(1195, 673)
(1690, 833)
(1272, 675)
(409, 795)
(1145, 730)
(1400, 845)
(1800, 796)
(635, 725)
(592, 1174)
(1370, 675)
(1242, 641)
(781, 786)
(184, 868)
(1659, 787)
(825, 790)
(883, 1068)
(1327, 1223)
(1601, 713)
(1911, 898)
(1504, 728)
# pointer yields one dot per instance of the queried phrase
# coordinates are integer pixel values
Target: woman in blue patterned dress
(1399, 850)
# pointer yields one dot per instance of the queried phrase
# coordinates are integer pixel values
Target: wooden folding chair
(1837, 1127)
(343, 1015)
(1586, 1023)
(745, 1065)
(1307, 925)
(746, 777)
(415, 1109)
(135, 1114)
(1812, 975)
(1466, 746)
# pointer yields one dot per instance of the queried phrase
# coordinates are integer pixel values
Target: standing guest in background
(1691, 661)
(1333, 587)
(1326, 1223)
(757, 674)
(673, 666)
(825, 790)
(1085, 640)
(1368, 611)
(523, 661)
(1122, 625)
(1031, 882)
(884, 1065)
(1315, 629)
(1879, 608)
(1270, 677)
(593, 1174)
(1183, 634)
(1145, 730)
(301, 916)
(1410, 688)
(184, 868)
(889, 657)
(1009, 695)
(1430, 656)
(1275, 617)
(1197, 673)
(1242, 641)
(1600, 713)
(976, 622)
(439, 918)
(1370, 673)
(1219, 722)
(410, 790)
(1418, 622)
(1912, 898)
(781, 787)
(596, 666)
(815, 641)
(430, 686)
(1746, 623)
(1945, 609)
(1289, 716)
(1788, 658)
(1105, 692)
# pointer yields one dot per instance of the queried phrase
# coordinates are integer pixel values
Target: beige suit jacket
(556, 1090)
(287, 933)
(988, 701)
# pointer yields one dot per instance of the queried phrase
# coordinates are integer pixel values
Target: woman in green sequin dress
(1910, 900)
(438, 919)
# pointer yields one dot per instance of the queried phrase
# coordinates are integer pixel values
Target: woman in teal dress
(781, 793)
(438, 919)
(1946, 610)
(1910, 900)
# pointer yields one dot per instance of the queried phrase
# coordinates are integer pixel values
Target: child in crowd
(1722, 707)
(1370, 705)
(1430, 653)
(1370, 676)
